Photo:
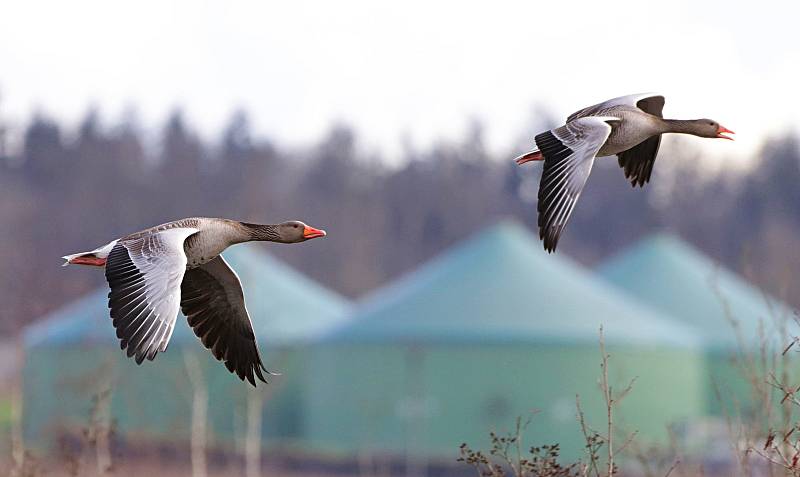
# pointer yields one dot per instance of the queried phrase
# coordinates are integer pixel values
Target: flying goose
(628, 126)
(155, 272)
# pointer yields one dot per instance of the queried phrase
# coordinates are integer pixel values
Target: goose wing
(569, 153)
(213, 301)
(652, 103)
(145, 275)
(638, 161)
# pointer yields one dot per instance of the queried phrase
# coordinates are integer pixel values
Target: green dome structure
(733, 317)
(494, 329)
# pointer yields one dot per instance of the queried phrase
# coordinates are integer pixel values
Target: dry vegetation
(764, 440)
(601, 455)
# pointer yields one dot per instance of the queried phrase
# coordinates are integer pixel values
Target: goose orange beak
(721, 130)
(310, 232)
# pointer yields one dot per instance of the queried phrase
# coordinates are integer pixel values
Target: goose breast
(634, 127)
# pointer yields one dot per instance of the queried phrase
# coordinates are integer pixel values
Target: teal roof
(672, 276)
(501, 286)
(285, 307)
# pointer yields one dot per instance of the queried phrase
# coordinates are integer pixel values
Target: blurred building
(495, 329)
(73, 356)
(734, 318)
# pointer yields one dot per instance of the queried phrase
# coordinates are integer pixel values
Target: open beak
(722, 130)
(311, 232)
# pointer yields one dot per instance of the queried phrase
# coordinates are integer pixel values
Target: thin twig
(589, 437)
(674, 466)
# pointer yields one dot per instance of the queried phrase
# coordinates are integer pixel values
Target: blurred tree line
(68, 191)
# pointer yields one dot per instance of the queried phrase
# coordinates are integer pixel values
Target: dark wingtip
(638, 181)
(260, 376)
(549, 238)
(254, 373)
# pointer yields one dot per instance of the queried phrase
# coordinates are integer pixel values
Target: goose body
(176, 266)
(629, 127)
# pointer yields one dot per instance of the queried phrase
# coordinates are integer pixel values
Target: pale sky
(420, 70)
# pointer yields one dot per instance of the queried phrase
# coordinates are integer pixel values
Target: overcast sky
(415, 69)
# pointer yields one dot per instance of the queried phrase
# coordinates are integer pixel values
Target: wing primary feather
(568, 153)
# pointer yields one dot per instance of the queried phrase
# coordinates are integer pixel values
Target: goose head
(295, 231)
(711, 128)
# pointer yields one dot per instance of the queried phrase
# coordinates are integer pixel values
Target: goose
(629, 127)
(177, 265)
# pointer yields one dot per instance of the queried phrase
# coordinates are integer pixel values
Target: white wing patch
(569, 153)
(145, 277)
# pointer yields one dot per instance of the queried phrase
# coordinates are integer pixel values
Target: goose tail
(532, 155)
(95, 258)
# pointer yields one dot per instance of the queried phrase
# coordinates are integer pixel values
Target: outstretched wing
(145, 276)
(213, 301)
(569, 153)
(652, 103)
